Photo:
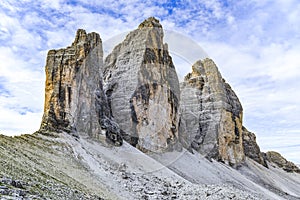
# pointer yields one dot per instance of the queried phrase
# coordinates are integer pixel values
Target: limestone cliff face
(211, 115)
(74, 97)
(143, 89)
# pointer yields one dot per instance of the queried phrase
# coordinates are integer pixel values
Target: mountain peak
(143, 88)
(83, 37)
(151, 22)
(80, 36)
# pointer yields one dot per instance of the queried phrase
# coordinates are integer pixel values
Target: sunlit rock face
(74, 97)
(210, 115)
(143, 89)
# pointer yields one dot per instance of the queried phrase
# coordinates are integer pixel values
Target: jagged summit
(82, 37)
(151, 22)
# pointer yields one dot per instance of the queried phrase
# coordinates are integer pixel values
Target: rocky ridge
(277, 159)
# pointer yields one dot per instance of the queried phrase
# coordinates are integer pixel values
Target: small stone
(17, 184)
(149, 192)
(4, 192)
(22, 193)
(231, 196)
(125, 175)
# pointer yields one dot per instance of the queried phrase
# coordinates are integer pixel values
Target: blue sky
(256, 45)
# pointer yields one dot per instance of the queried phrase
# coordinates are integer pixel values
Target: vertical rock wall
(143, 89)
(74, 97)
(211, 115)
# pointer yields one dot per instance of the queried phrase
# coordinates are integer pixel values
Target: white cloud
(54, 4)
(13, 122)
(266, 83)
(288, 146)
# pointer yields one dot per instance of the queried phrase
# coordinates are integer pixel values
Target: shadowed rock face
(74, 97)
(276, 158)
(143, 89)
(252, 151)
(211, 115)
(251, 148)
